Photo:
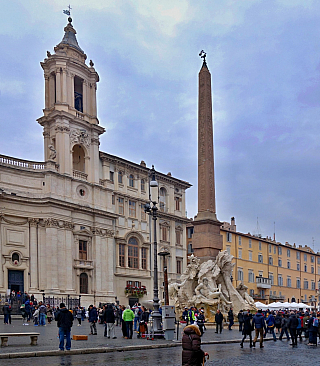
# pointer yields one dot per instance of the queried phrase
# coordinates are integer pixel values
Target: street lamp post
(164, 254)
(153, 196)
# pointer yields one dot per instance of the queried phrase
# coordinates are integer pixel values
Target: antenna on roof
(274, 231)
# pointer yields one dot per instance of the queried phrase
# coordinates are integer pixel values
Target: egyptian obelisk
(207, 241)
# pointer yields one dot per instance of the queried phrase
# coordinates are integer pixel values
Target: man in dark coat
(93, 318)
(240, 320)
(192, 354)
(64, 321)
(219, 319)
(231, 318)
(247, 328)
(260, 327)
(108, 319)
(284, 327)
(292, 325)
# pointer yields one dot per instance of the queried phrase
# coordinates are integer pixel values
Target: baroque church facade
(75, 223)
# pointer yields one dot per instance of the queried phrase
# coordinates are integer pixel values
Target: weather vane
(68, 12)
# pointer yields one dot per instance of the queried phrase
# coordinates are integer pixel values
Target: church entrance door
(15, 281)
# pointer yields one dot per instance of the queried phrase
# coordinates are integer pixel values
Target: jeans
(64, 332)
(42, 319)
(6, 318)
(129, 329)
(312, 337)
(284, 330)
(271, 330)
(136, 322)
(293, 334)
(93, 328)
(109, 330)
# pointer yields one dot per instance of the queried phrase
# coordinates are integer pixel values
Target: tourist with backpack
(313, 324)
(271, 324)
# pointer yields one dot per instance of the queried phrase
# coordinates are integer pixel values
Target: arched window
(15, 258)
(133, 253)
(78, 158)
(119, 177)
(131, 180)
(83, 283)
(163, 199)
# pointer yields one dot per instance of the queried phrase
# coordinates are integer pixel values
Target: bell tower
(70, 125)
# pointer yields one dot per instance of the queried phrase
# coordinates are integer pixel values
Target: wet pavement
(274, 353)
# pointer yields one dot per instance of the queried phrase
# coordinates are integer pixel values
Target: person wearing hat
(64, 321)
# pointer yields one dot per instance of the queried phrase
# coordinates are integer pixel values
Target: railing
(19, 163)
(276, 297)
(263, 280)
(80, 175)
(55, 301)
(83, 263)
(14, 301)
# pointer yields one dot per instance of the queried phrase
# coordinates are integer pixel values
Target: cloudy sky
(264, 57)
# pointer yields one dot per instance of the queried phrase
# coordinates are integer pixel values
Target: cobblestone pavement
(274, 353)
(48, 337)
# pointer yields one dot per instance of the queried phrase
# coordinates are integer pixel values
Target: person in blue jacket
(260, 327)
(271, 325)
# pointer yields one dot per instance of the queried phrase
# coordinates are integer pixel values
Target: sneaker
(114, 338)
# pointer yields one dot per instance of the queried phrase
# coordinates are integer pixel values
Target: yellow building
(272, 271)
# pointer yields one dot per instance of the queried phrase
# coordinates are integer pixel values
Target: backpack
(277, 321)
(315, 322)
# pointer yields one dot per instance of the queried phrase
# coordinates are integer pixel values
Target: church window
(121, 255)
(119, 177)
(15, 258)
(78, 160)
(179, 266)
(83, 250)
(163, 199)
(143, 185)
(78, 93)
(178, 237)
(144, 258)
(132, 208)
(143, 213)
(121, 206)
(177, 199)
(133, 257)
(83, 283)
(131, 180)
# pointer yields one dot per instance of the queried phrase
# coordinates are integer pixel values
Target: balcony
(27, 165)
(276, 297)
(83, 264)
(263, 282)
(80, 175)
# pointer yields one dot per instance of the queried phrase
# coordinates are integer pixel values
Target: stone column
(69, 259)
(58, 86)
(110, 267)
(94, 100)
(64, 86)
(1, 268)
(105, 170)
(33, 255)
(72, 91)
(98, 262)
(51, 254)
(84, 96)
(47, 88)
